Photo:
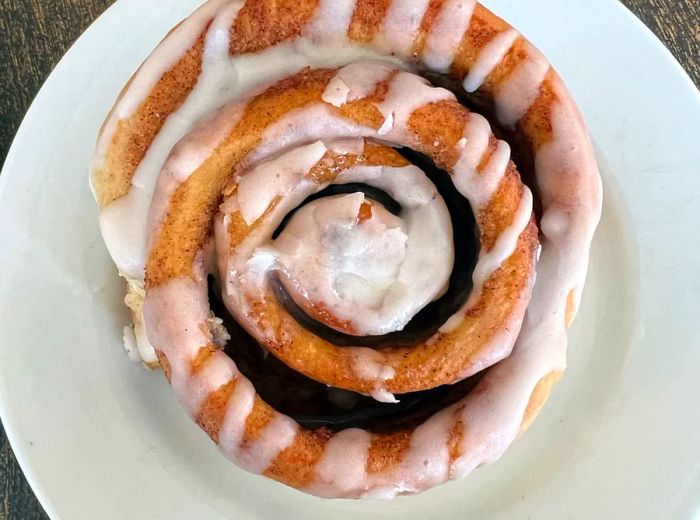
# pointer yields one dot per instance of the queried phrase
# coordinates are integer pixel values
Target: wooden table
(36, 33)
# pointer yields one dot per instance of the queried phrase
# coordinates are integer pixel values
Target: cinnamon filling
(427, 321)
(315, 405)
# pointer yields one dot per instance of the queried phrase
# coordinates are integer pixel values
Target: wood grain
(36, 33)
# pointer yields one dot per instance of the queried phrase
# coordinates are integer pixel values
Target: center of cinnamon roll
(356, 267)
(359, 245)
(458, 229)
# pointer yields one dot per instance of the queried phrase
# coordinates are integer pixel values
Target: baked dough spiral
(295, 152)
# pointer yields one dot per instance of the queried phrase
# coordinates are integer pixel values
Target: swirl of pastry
(361, 224)
(348, 261)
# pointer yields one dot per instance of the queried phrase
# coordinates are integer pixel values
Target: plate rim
(20, 452)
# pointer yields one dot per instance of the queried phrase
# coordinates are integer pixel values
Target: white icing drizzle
(401, 25)
(331, 20)
(350, 265)
(387, 125)
(567, 151)
(127, 243)
(375, 274)
(123, 228)
(490, 261)
(350, 146)
(218, 370)
(478, 187)
(407, 92)
(342, 465)
(312, 123)
(278, 435)
(382, 395)
(176, 313)
(446, 34)
(426, 463)
(238, 408)
(168, 53)
(476, 141)
(356, 81)
(370, 365)
(564, 221)
(517, 93)
(186, 157)
(488, 59)
(258, 188)
(222, 79)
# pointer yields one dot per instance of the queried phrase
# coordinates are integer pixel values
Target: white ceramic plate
(100, 438)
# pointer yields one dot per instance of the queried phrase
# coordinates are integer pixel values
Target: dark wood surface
(34, 34)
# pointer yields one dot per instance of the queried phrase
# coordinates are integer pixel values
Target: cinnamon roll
(355, 284)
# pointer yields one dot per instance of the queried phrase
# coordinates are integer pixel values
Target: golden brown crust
(441, 124)
(367, 19)
(320, 312)
(431, 14)
(539, 398)
(570, 308)
(387, 450)
(260, 416)
(134, 136)
(484, 26)
(499, 212)
(211, 416)
(456, 435)
(203, 356)
(164, 364)
(331, 164)
(260, 24)
(295, 466)
(537, 121)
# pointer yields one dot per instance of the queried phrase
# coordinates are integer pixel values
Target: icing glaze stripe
(163, 59)
(491, 261)
(488, 59)
(521, 87)
(479, 187)
(446, 34)
(331, 20)
(402, 23)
